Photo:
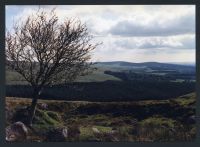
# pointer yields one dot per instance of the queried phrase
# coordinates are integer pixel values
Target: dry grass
(126, 124)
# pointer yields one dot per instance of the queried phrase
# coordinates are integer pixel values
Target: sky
(133, 33)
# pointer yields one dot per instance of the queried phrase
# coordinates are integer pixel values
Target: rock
(16, 132)
(173, 130)
(105, 136)
(95, 130)
(110, 136)
(113, 132)
(63, 134)
(57, 134)
(73, 131)
(43, 106)
(113, 135)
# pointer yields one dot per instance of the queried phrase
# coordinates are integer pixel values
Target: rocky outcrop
(16, 132)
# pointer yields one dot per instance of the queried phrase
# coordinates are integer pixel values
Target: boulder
(16, 132)
(57, 135)
(95, 130)
(62, 134)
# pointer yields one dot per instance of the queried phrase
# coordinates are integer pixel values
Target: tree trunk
(32, 110)
(33, 107)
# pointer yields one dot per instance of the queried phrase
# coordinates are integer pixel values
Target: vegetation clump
(83, 124)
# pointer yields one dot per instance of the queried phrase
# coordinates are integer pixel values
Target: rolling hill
(117, 66)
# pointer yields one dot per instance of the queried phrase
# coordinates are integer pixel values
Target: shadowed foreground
(150, 120)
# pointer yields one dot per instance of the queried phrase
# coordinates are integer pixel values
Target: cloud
(175, 42)
(122, 20)
(138, 55)
(133, 33)
(176, 26)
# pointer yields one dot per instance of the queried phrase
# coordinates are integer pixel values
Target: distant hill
(100, 75)
(116, 81)
(145, 65)
(184, 63)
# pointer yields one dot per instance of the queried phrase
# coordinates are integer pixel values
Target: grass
(103, 129)
(158, 121)
(101, 77)
(86, 133)
(12, 77)
(131, 125)
(186, 100)
(47, 118)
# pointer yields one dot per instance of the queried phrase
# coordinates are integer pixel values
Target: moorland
(119, 101)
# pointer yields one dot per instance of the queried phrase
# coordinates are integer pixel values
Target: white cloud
(134, 33)
(172, 42)
(176, 26)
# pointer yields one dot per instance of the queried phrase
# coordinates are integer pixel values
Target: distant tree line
(107, 91)
(168, 76)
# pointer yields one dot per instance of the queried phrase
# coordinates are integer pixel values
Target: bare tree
(46, 52)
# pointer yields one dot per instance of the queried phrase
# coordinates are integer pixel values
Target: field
(150, 120)
(120, 101)
(118, 81)
(110, 71)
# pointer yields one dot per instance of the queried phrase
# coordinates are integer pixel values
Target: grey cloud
(181, 25)
(143, 45)
(125, 44)
(150, 45)
(187, 43)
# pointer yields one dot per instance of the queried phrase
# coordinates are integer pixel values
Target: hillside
(163, 120)
(152, 68)
(115, 81)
